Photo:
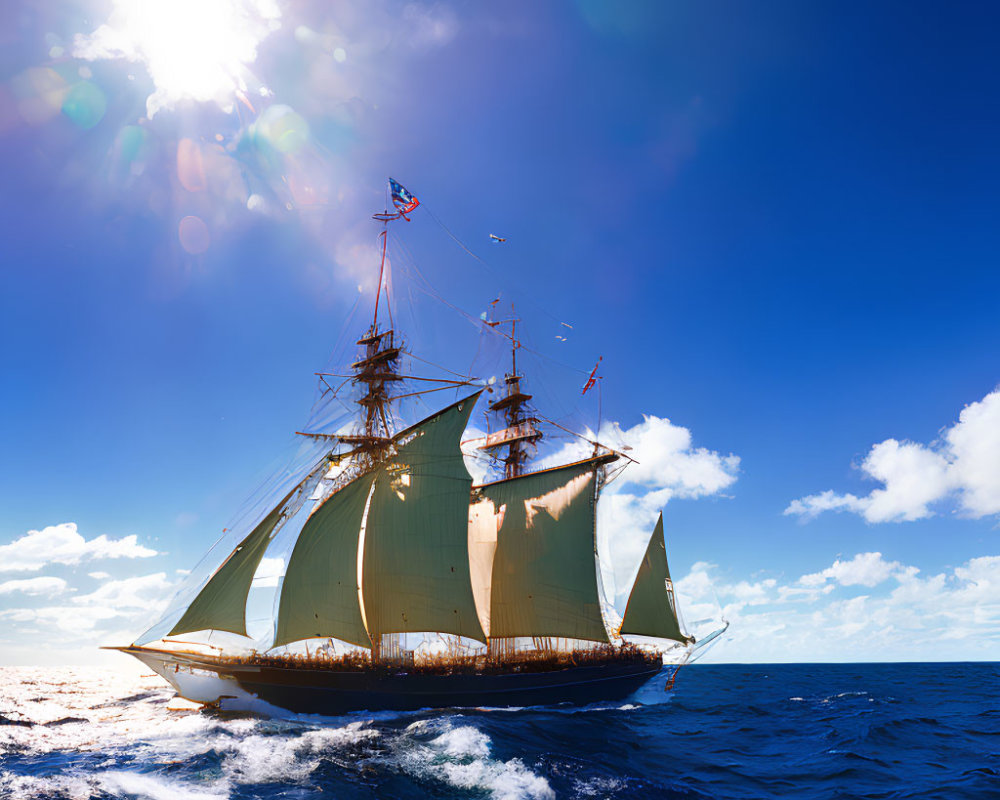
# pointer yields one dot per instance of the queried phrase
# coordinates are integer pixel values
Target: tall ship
(407, 584)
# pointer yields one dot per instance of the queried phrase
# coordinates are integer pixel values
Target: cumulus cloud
(963, 465)
(85, 618)
(865, 569)
(668, 466)
(863, 607)
(34, 586)
(140, 592)
(62, 544)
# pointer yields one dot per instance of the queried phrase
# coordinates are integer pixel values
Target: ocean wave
(724, 733)
(460, 756)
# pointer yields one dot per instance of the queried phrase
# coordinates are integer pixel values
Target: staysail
(652, 609)
(544, 576)
(319, 593)
(221, 604)
(415, 573)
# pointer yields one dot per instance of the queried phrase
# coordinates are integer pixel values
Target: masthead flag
(401, 198)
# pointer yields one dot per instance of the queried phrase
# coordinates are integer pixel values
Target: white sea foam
(153, 787)
(463, 741)
(265, 759)
(23, 787)
(125, 721)
(136, 785)
(460, 756)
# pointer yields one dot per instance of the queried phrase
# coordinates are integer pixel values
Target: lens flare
(194, 236)
(190, 166)
(193, 49)
(282, 128)
(40, 94)
(85, 105)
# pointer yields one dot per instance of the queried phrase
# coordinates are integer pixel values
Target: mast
(377, 370)
(521, 429)
(532, 543)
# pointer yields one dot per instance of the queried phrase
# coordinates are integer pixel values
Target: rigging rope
(427, 289)
(486, 264)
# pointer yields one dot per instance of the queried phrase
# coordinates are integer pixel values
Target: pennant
(593, 377)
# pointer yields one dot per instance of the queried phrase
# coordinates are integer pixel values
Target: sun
(193, 49)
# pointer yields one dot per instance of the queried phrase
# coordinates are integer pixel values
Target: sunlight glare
(193, 49)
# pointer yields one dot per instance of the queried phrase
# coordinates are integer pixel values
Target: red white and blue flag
(401, 198)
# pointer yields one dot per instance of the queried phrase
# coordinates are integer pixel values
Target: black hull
(319, 692)
(303, 690)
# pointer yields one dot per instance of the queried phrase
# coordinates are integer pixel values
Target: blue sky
(776, 222)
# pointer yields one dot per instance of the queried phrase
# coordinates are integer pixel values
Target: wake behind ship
(394, 541)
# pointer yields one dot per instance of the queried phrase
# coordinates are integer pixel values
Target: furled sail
(415, 568)
(544, 575)
(651, 609)
(222, 602)
(319, 594)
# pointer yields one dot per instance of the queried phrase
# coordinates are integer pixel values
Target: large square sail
(544, 577)
(415, 574)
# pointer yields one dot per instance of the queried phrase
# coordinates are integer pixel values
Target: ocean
(724, 731)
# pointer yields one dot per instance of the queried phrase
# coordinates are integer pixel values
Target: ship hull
(303, 690)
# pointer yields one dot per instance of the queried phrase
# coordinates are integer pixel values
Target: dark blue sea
(733, 731)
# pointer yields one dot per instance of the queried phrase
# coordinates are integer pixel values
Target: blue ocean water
(731, 731)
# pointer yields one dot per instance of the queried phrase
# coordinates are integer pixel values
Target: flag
(401, 198)
(593, 377)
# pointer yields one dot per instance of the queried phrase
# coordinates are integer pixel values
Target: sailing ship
(395, 540)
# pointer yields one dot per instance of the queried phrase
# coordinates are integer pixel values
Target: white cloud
(69, 620)
(477, 465)
(974, 448)
(668, 467)
(668, 462)
(62, 544)
(87, 620)
(268, 572)
(964, 464)
(34, 586)
(98, 576)
(140, 592)
(823, 617)
(865, 569)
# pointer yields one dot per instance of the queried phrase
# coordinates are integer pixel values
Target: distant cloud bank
(865, 608)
